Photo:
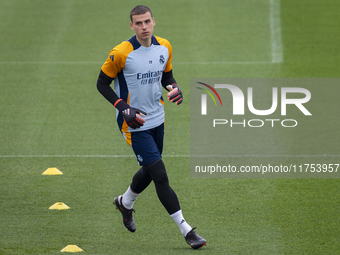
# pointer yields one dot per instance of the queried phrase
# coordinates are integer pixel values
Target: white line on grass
(262, 156)
(83, 156)
(224, 63)
(167, 156)
(101, 62)
(51, 62)
(275, 31)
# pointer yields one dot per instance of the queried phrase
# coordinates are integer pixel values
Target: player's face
(143, 26)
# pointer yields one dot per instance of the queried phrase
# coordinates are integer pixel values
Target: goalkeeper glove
(132, 116)
(175, 95)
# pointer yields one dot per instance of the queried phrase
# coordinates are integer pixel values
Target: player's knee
(158, 173)
(161, 178)
(138, 175)
(140, 180)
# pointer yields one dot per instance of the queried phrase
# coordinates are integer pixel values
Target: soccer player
(140, 67)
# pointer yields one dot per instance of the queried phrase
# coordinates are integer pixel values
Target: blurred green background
(51, 115)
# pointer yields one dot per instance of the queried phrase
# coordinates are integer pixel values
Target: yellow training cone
(52, 171)
(71, 248)
(59, 206)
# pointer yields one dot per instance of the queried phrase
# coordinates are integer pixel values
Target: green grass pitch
(51, 115)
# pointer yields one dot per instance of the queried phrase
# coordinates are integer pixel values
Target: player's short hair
(140, 9)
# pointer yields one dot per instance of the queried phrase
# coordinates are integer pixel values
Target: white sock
(181, 223)
(129, 198)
